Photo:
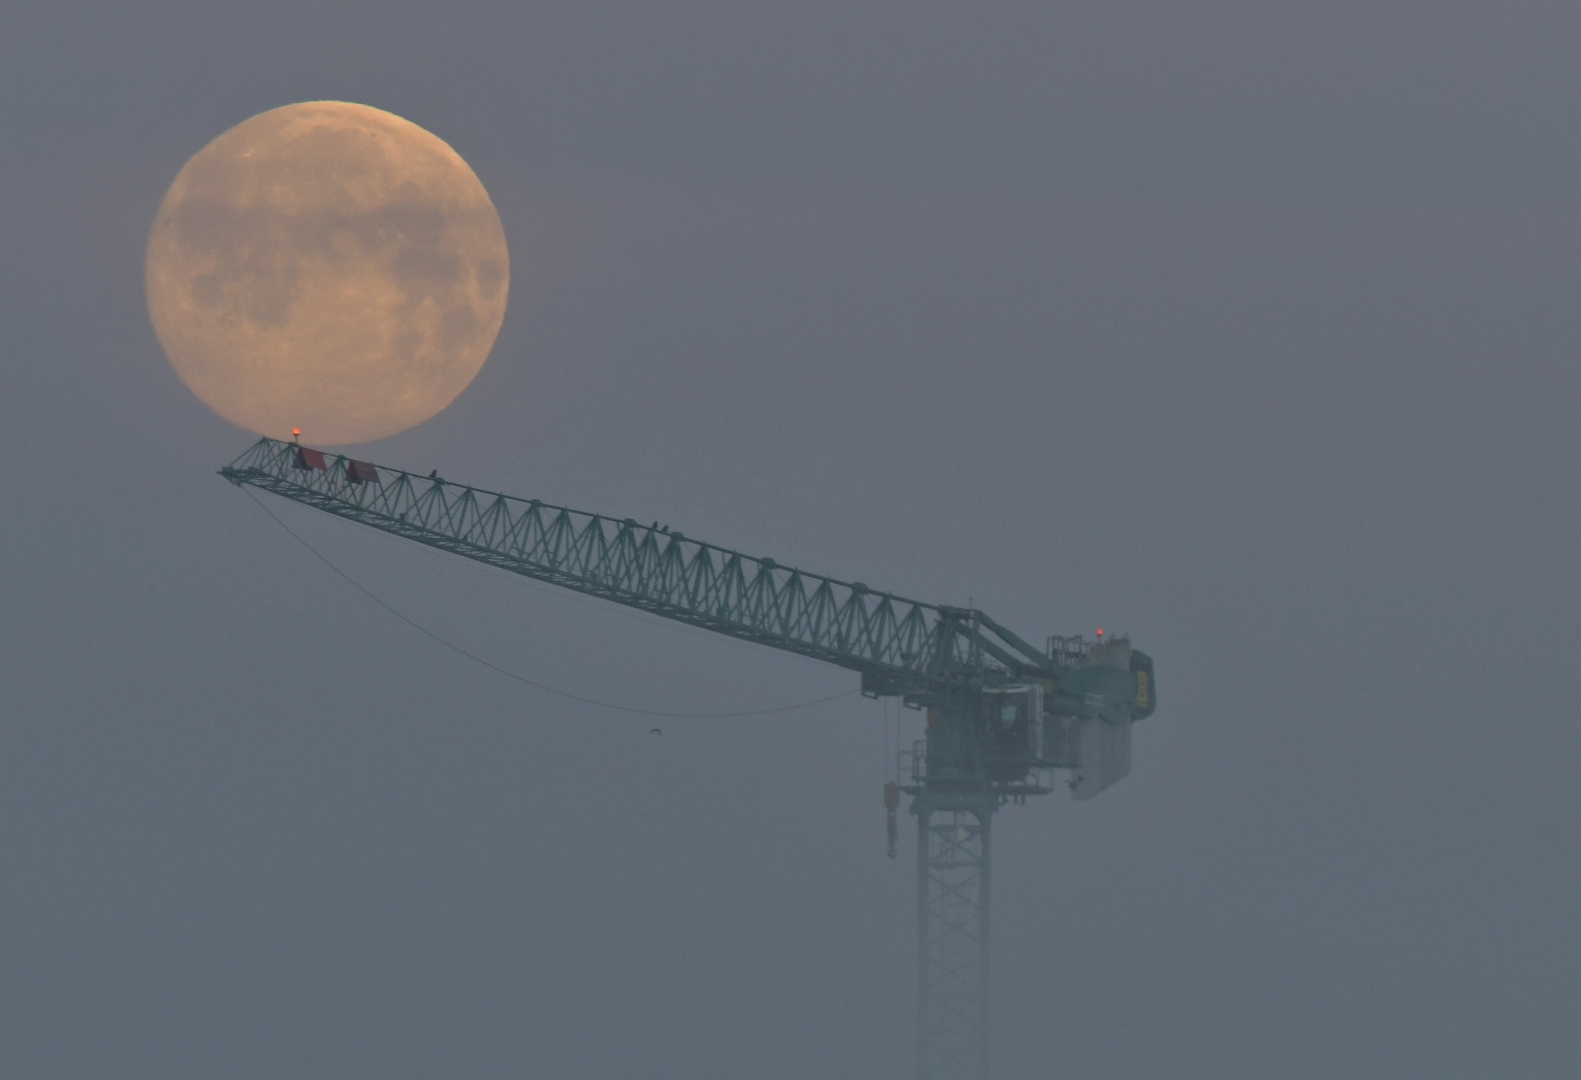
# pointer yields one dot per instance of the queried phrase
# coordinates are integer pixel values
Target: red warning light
(296, 432)
(1100, 631)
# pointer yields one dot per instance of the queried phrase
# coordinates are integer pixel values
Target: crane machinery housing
(1002, 715)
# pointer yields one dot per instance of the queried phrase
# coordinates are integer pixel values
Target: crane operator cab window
(1010, 721)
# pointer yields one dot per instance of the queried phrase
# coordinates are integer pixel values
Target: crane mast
(1002, 715)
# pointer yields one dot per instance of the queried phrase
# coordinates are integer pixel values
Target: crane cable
(522, 678)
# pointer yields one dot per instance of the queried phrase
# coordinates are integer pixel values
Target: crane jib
(900, 646)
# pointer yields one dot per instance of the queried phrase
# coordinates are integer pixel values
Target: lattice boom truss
(900, 646)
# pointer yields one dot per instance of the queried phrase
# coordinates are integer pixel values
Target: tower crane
(1002, 715)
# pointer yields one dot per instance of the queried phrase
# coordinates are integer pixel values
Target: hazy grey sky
(1247, 327)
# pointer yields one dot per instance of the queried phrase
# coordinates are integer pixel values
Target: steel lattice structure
(954, 864)
(1001, 714)
(896, 644)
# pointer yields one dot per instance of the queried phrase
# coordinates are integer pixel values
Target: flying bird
(655, 731)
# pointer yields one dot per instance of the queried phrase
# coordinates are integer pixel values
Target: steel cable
(354, 583)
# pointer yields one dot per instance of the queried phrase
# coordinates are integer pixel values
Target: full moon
(329, 267)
